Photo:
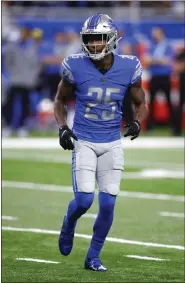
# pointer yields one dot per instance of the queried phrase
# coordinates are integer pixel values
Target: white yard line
(146, 258)
(144, 174)
(84, 236)
(172, 214)
(37, 260)
(52, 143)
(37, 157)
(67, 159)
(153, 164)
(154, 174)
(68, 189)
(8, 218)
(56, 262)
(89, 215)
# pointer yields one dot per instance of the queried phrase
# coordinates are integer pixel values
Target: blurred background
(37, 35)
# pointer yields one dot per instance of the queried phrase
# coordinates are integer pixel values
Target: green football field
(146, 241)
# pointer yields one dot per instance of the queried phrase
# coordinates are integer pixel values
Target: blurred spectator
(94, 3)
(37, 35)
(73, 47)
(21, 64)
(52, 54)
(73, 3)
(159, 62)
(40, 45)
(73, 42)
(10, 31)
(60, 45)
(127, 45)
(4, 76)
(178, 8)
(179, 68)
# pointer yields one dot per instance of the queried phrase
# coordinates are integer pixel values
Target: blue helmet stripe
(97, 19)
(88, 25)
(93, 21)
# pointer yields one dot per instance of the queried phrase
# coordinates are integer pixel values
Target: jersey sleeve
(66, 71)
(137, 71)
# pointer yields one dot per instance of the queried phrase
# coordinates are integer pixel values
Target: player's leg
(8, 110)
(101, 228)
(25, 104)
(166, 87)
(109, 171)
(83, 177)
(84, 162)
(153, 88)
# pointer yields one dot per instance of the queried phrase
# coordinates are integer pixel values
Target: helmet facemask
(108, 39)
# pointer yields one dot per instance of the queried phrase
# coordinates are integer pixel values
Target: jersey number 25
(98, 91)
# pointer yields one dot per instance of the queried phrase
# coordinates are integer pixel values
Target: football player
(99, 79)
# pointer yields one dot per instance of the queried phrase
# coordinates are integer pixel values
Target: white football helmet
(99, 27)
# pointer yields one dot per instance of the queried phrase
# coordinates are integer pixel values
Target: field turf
(138, 220)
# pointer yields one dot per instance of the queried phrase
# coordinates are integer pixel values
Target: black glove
(65, 135)
(133, 129)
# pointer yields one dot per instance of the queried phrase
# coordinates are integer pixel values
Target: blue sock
(102, 224)
(77, 207)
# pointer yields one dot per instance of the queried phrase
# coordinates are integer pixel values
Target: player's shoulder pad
(70, 66)
(131, 59)
(73, 59)
(133, 65)
(77, 56)
(72, 62)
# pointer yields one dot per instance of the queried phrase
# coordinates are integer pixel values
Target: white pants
(101, 162)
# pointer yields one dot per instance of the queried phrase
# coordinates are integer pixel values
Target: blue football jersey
(99, 96)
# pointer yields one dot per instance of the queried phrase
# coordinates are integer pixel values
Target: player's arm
(165, 60)
(179, 65)
(65, 90)
(139, 100)
(141, 109)
(152, 61)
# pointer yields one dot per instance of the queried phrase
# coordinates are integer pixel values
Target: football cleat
(65, 239)
(95, 265)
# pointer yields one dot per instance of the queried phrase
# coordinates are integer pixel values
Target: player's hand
(65, 138)
(133, 129)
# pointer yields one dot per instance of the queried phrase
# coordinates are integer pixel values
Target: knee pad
(85, 181)
(109, 181)
(113, 189)
(113, 185)
(84, 200)
(86, 187)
